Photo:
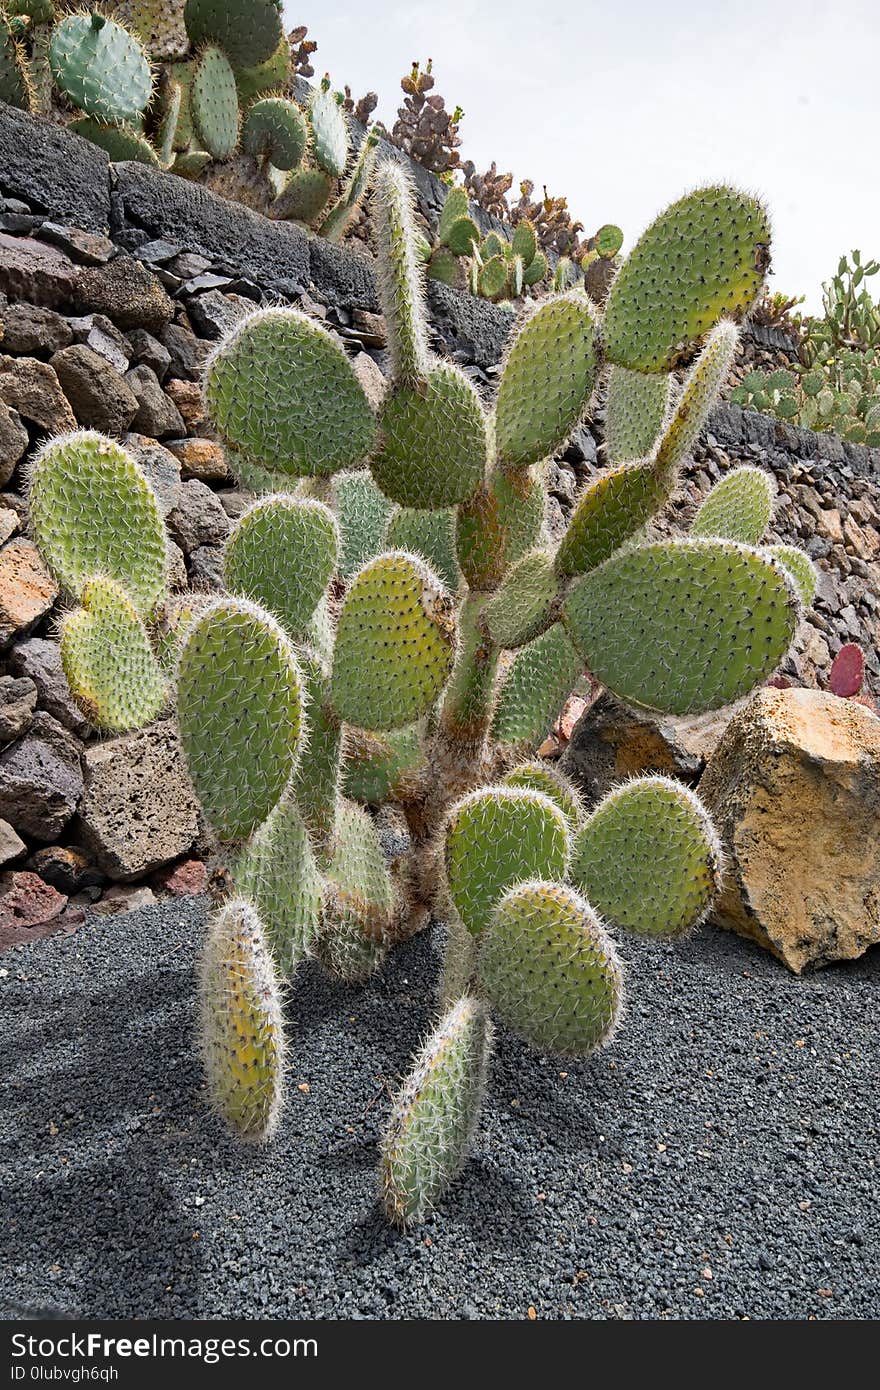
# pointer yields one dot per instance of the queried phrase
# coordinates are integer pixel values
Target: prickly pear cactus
(101, 68)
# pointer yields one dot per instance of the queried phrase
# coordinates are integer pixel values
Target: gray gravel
(718, 1161)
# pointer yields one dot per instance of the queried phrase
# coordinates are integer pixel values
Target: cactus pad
(648, 858)
(281, 389)
(304, 196)
(240, 709)
(248, 31)
(500, 523)
(277, 872)
(376, 765)
(547, 379)
(363, 513)
(430, 534)
(400, 274)
(536, 686)
(110, 667)
(550, 970)
(395, 643)
(800, 567)
(101, 68)
(92, 511)
(433, 449)
(496, 837)
(704, 257)
(214, 103)
(522, 607)
(329, 134)
(359, 900)
(158, 25)
(738, 508)
(275, 130)
(635, 408)
(119, 142)
(435, 1113)
(241, 1023)
(545, 777)
(15, 84)
(282, 554)
(683, 626)
(614, 507)
(699, 393)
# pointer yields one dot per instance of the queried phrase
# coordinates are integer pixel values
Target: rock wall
(115, 281)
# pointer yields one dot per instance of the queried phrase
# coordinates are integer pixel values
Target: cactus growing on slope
(415, 648)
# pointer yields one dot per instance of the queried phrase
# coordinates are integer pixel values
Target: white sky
(624, 106)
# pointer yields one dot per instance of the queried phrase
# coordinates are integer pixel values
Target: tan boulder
(794, 790)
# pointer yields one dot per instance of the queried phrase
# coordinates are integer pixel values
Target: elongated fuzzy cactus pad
(699, 393)
(277, 872)
(635, 408)
(110, 667)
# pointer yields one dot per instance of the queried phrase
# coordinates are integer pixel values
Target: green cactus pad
(248, 31)
(608, 240)
(700, 391)
(190, 163)
(496, 837)
(455, 207)
(341, 947)
(395, 643)
(254, 478)
(240, 709)
(545, 777)
(433, 447)
(614, 507)
(547, 379)
(377, 766)
(704, 257)
(304, 196)
(278, 873)
(337, 221)
(550, 970)
(800, 567)
(214, 103)
(500, 524)
(281, 390)
(461, 236)
(635, 408)
(400, 274)
(119, 142)
(435, 1113)
(536, 269)
(738, 508)
(282, 554)
(275, 130)
(648, 859)
(15, 84)
(430, 534)
(537, 684)
(101, 68)
(316, 780)
(521, 608)
(683, 626)
(359, 900)
(363, 512)
(443, 266)
(241, 1025)
(329, 134)
(271, 76)
(525, 241)
(110, 667)
(492, 278)
(92, 511)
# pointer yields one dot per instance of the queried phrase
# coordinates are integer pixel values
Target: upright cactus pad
(498, 836)
(500, 523)
(337, 221)
(550, 970)
(648, 858)
(107, 659)
(271, 76)
(240, 1023)
(683, 626)
(635, 409)
(614, 508)
(548, 378)
(240, 709)
(101, 68)
(275, 130)
(278, 874)
(400, 274)
(537, 684)
(15, 83)
(304, 196)
(92, 511)
(359, 900)
(800, 567)
(214, 103)
(699, 393)
(395, 643)
(542, 776)
(282, 555)
(281, 390)
(738, 508)
(248, 31)
(316, 781)
(329, 133)
(704, 257)
(521, 608)
(430, 534)
(376, 766)
(435, 1113)
(363, 512)
(434, 448)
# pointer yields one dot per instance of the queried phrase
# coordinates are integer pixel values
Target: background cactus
(342, 667)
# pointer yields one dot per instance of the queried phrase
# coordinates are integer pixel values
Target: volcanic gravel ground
(719, 1160)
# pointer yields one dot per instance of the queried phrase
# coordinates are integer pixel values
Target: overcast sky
(620, 105)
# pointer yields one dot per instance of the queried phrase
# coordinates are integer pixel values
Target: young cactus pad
(635, 408)
(101, 68)
(498, 836)
(240, 709)
(395, 643)
(278, 873)
(282, 554)
(648, 858)
(550, 971)
(434, 447)
(435, 1113)
(281, 390)
(92, 511)
(214, 103)
(738, 508)
(107, 659)
(240, 1023)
